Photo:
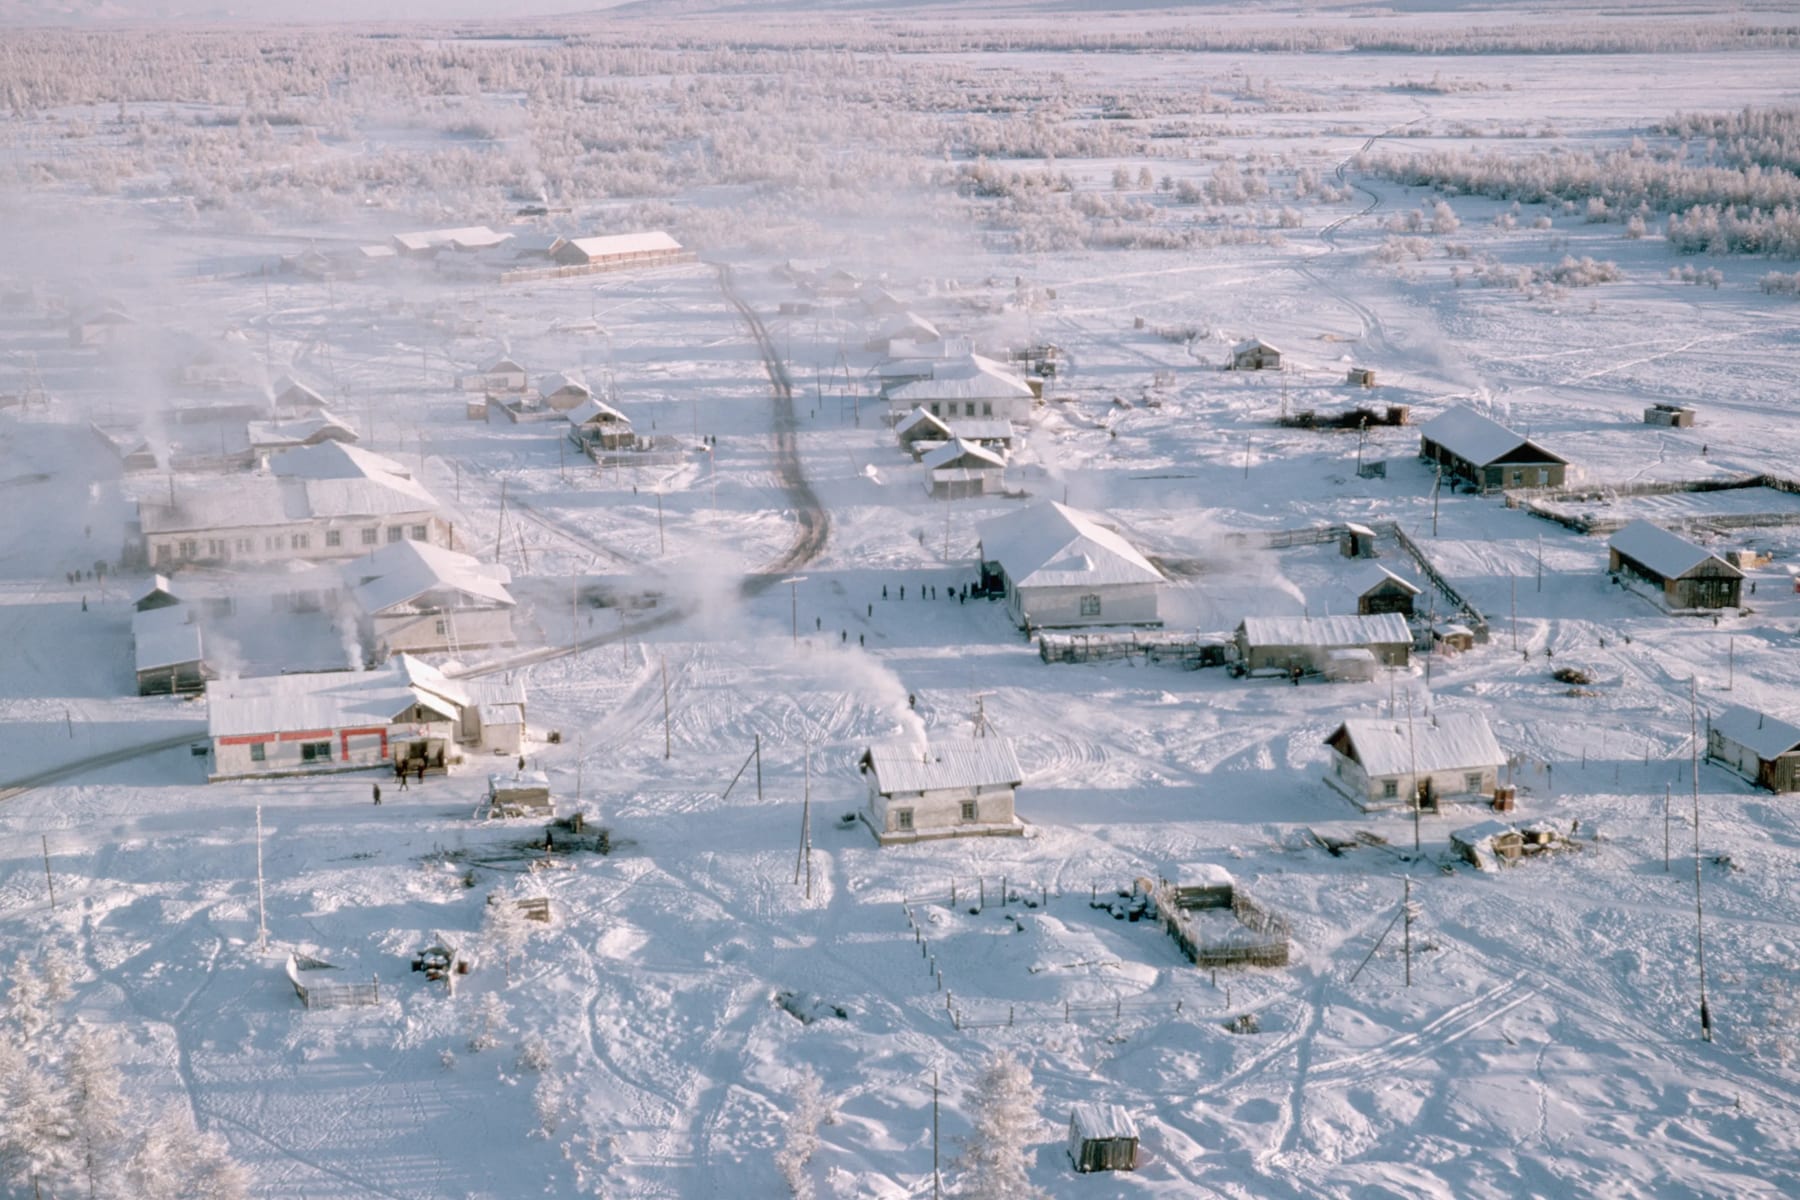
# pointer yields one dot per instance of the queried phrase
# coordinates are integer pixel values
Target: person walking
(400, 772)
(377, 790)
(421, 772)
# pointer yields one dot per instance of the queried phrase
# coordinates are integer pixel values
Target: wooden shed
(1102, 1137)
(1284, 643)
(1379, 590)
(1486, 454)
(1254, 354)
(1762, 749)
(1677, 416)
(1360, 377)
(1688, 574)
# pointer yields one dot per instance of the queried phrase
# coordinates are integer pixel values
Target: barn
(949, 789)
(1254, 354)
(1486, 454)
(1688, 575)
(1762, 749)
(959, 469)
(1059, 567)
(1378, 763)
(1379, 590)
(1286, 643)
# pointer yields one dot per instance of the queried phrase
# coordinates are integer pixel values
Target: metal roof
(958, 453)
(324, 700)
(1369, 576)
(400, 572)
(1476, 439)
(1093, 1121)
(906, 767)
(165, 637)
(1765, 736)
(1667, 554)
(1447, 741)
(1327, 632)
(625, 243)
(1052, 545)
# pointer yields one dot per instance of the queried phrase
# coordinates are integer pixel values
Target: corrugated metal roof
(314, 700)
(1765, 736)
(1366, 578)
(625, 243)
(400, 572)
(1052, 545)
(959, 453)
(1093, 1121)
(1449, 741)
(1473, 437)
(165, 637)
(1327, 632)
(906, 767)
(1668, 554)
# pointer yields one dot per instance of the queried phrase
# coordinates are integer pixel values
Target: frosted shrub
(1003, 1107)
(489, 1022)
(534, 1054)
(1542, 222)
(808, 1109)
(1443, 219)
(1634, 228)
(1777, 284)
(1505, 221)
(1583, 272)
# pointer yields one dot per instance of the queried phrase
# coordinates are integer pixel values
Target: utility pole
(663, 665)
(1730, 663)
(1515, 611)
(1666, 819)
(500, 527)
(1406, 905)
(661, 546)
(1706, 1030)
(262, 916)
(49, 882)
(1248, 439)
(936, 1185)
(1437, 485)
(1412, 752)
(1540, 563)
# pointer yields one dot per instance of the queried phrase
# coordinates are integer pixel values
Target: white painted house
(1060, 567)
(1761, 748)
(416, 597)
(972, 386)
(1384, 763)
(959, 469)
(405, 710)
(949, 789)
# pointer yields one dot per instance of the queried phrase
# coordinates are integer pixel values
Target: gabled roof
(910, 325)
(1369, 576)
(1450, 741)
(335, 460)
(1327, 632)
(969, 378)
(981, 429)
(1476, 439)
(324, 700)
(289, 389)
(468, 237)
(1052, 545)
(906, 767)
(651, 242)
(1249, 344)
(1667, 554)
(596, 412)
(1096, 1122)
(329, 480)
(918, 418)
(400, 572)
(503, 366)
(160, 594)
(298, 432)
(958, 453)
(165, 637)
(1765, 736)
(561, 381)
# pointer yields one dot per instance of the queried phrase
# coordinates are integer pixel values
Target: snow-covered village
(797, 599)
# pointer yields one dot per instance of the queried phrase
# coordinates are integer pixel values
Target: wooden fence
(1264, 943)
(316, 993)
(1542, 503)
(1185, 648)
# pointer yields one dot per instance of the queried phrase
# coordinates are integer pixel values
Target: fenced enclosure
(1262, 938)
(1744, 510)
(1187, 649)
(316, 990)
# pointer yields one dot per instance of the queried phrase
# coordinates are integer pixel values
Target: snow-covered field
(1548, 1043)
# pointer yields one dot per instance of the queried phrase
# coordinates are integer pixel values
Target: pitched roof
(165, 637)
(1366, 578)
(597, 412)
(1098, 1122)
(503, 366)
(918, 418)
(320, 700)
(558, 381)
(650, 242)
(1053, 545)
(329, 480)
(467, 237)
(1249, 344)
(909, 325)
(1474, 438)
(273, 434)
(902, 767)
(1327, 632)
(1450, 741)
(958, 453)
(971, 377)
(401, 572)
(1763, 735)
(1668, 554)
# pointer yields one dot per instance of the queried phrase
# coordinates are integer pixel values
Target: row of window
(948, 408)
(1390, 788)
(309, 752)
(903, 817)
(188, 549)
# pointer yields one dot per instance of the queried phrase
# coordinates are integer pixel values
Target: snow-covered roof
(596, 412)
(1667, 554)
(1210, 875)
(1250, 344)
(165, 637)
(503, 366)
(924, 352)
(982, 429)
(291, 390)
(297, 432)
(1763, 735)
(1449, 741)
(330, 480)
(1474, 438)
(561, 381)
(907, 767)
(512, 782)
(1366, 578)
(401, 572)
(1053, 545)
(1327, 632)
(918, 418)
(323, 700)
(1091, 1121)
(958, 453)
(160, 587)
(969, 378)
(611, 245)
(468, 237)
(910, 326)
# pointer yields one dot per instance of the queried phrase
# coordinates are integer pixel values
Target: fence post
(1009, 1016)
(981, 880)
(1003, 891)
(953, 893)
(1066, 1016)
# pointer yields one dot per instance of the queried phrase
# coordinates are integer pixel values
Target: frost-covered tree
(1443, 218)
(174, 1161)
(97, 1109)
(808, 1109)
(489, 1023)
(1003, 1107)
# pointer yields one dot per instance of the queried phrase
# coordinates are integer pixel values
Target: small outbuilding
(1486, 454)
(1360, 377)
(1356, 541)
(1254, 354)
(1676, 416)
(168, 651)
(597, 425)
(160, 595)
(1378, 763)
(1102, 1137)
(1762, 749)
(1306, 643)
(563, 391)
(520, 794)
(1379, 590)
(1689, 575)
(959, 469)
(948, 789)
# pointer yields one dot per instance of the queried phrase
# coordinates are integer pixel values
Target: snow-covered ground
(1548, 1043)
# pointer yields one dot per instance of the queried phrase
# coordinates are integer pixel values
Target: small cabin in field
(946, 789)
(1762, 749)
(1379, 590)
(1688, 575)
(520, 794)
(1486, 454)
(1254, 354)
(1360, 377)
(168, 651)
(1102, 1137)
(1306, 643)
(1379, 763)
(1674, 416)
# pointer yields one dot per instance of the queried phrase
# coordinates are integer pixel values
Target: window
(1390, 788)
(440, 629)
(315, 752)
(256, 752)
(334, 538)
(418, 533)
(1472, 781)
(190, 548)
(371, 536)
(1090, 605)
(987, 408)
(903, 819)
(164, 552)
(968, 408)
(301, 541)
(272, 543)
(934, 409)
(396, 532)
(244, 545)
(1518, 478)
(215, 547)
(968, 810)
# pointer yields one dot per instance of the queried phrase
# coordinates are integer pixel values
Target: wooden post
(936, 1185)
(49, 882)
(661, 546)
(262, 916)
(663, 664)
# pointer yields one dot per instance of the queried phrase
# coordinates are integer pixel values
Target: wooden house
(596, 425)
(1379, 763)
(502, 377)
(1254, 354)
(562, 392)
(1762, 749)
(1675, 416)
(949, 789)
(1356, 541)
(1379, 590)
(1059, 567)
(618, 250)
(960, 469)
(1486, 454)
(1285, 643)
(1102, 1137)
(919, 426)
(294, 397)
(1688, 575)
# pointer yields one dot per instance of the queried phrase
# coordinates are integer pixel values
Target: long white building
(1060, 567)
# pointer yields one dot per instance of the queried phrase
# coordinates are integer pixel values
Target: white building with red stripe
(405, 711)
